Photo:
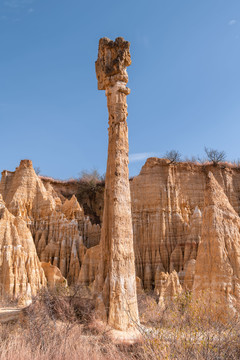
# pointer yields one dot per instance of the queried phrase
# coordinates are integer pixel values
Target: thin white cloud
(140, 156)
(17, 3)
(232, 22)
(31, 10)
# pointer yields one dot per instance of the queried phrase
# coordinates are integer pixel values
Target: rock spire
(217, 275)
(116, 280)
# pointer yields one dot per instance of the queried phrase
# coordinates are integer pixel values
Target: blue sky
(184, 80)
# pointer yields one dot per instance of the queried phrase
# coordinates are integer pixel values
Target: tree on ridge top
(173, 156)
(214, 155)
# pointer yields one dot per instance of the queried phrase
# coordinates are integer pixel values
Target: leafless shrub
(188, 329)
(90, 181)
(57, 326)
(214, 155)
(173, 156)
(91, 176)
(60, 344)
(185, 329)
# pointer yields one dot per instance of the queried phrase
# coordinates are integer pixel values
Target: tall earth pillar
(116, 281)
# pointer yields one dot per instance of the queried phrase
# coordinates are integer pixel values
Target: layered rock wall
(167, 210)
(169, 207)
(167, 220)
(58, 226)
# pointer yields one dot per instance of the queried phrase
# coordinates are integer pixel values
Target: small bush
(173, 156)
(215, 156)
(91, 176)
(187, 329)
(57, 326)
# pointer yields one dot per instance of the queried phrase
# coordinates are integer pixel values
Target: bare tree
(173, 155)
(214, 155)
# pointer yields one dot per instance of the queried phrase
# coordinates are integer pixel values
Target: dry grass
(61, 342)
(60, 326)
(187, 329)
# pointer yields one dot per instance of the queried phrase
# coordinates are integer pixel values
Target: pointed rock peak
(72, 209)
(197, 212)
(21, 274)
(168, 287)
(24, 192)
(174, 274)
(217, 273)
(173, 278)
(74, 201)
(215, 195)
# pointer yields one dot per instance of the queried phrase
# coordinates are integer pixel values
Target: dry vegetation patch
(188, 329)
(60, 325)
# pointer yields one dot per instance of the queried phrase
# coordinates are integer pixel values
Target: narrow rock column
(116, 281)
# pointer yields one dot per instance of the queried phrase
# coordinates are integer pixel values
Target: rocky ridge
(172, 226)
(56, 226)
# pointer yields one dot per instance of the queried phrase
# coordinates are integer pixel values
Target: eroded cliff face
(89, 195)
(167, 212)
(58, 226)
(21, 275)
(217, 271)
(178, 225)
(167, 207)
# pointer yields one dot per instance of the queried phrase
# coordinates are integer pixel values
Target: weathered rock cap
(26, 163)
(113, 58)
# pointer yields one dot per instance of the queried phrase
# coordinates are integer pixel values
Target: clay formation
(217, 274)
(116, 280)
(21, 275)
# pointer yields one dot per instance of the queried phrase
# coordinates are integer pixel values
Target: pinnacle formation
(116, 280)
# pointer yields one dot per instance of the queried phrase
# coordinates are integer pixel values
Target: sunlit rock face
(169, 221)
(58, 225)
(89, 267)
(176, 210)
(116, 278)
(21, 275)
(167, 287)
(167, 212)
(167, 203)
(53, 275)
(217, 271)
(24, 193)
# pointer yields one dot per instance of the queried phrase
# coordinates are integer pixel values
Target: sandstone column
(116, 280)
